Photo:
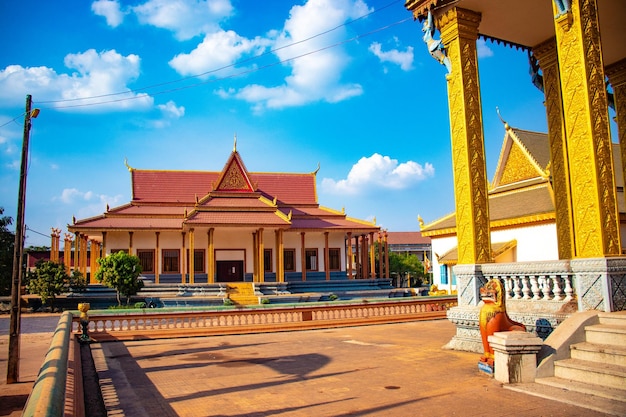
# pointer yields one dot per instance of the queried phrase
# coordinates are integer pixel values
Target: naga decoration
(493, 316)
(435, 46)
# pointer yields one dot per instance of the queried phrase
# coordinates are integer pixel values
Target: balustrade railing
(154, 324)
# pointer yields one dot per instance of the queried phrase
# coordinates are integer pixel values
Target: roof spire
(235, 143)
(506, 125)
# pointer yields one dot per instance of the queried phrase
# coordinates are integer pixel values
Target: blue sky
(345, 84)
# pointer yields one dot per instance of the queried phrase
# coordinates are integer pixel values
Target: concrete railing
(47, 399)
(154, 324)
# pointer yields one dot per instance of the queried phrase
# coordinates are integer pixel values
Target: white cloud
(378, 171)
(395, 56)
(219, 49)
(97, 74)
(186, 18)
(482, 49)
(87, 203)
(313, 76)
(170, 110)
(110, 10)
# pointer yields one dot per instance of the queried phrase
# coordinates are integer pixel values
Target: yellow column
(67, 253)
(210, 257)
(255, 257)
(349, 260)
(357, 257)
(559, 162)
(157, 252)
(76, 252)
(183, 262)
(261, 256)
(303, 256)
(617, 78)
(380, 254)
(191, 257)
(83, 258)
(459, 31)
(594, 205)
(52, 245)
(388, 275)
(326, 253)
(104, 244)
(372, 256)
(280, 256)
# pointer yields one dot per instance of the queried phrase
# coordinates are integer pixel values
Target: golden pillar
(303, 256)
(130, 243)
(104, 244)
(617, 77)
(157, 251)
(559, 161)
(67, 252)
(255, 257)
(76, 252)
(183, 266)
(326, 253)
(84, 249)
(372, 256)
(364, 253)
(380, 254)
(388, 275)
(349, 260)
(592, 185)
(261, 255)
(280, 256)
(357, 257)
(191, 257)
(459, 31)
(211, 257)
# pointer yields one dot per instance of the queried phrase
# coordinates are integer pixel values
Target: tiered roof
(233, 197)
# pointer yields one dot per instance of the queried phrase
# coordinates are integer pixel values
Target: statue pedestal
(515, 356)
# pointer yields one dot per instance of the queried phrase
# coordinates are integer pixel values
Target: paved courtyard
(383, 370)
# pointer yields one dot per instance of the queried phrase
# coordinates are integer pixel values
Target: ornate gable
(234, 176)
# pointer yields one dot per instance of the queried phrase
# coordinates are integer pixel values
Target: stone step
(608, 375)
(606, 334)
(617, 318)
(610, 354)
(568, 392)
(244, 299)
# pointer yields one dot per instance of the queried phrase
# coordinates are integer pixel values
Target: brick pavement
(383, 370)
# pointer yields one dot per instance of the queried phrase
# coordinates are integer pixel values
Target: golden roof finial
(420, 221)
(506, 125)
(130, 169)
(235, 143)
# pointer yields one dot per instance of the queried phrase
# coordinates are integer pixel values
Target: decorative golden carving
(518, 167)
(546, 53)
(459, 31)
(233, 179)
(594, 206)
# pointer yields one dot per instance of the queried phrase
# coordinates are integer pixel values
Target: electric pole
(13, 364)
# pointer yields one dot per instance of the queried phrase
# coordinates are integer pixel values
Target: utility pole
(13, 364)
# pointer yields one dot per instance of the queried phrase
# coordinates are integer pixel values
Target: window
(334, 263)
(444, 274)
(198, 260)
(171, 263)
(290, 259)
(146, 259)
(311, 259)
(267, 260)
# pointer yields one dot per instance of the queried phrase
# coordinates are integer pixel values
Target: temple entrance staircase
(242, 293)
(594, 376)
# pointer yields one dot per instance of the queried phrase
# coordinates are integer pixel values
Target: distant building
(229, 225)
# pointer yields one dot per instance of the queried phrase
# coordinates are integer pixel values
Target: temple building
(521, 208)
(232, 225)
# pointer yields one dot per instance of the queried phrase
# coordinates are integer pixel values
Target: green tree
(120, 271)
(407, 266)
(7, 243)
(50, 279)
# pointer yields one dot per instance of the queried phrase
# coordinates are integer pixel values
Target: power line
(143, 89)
(141, 96)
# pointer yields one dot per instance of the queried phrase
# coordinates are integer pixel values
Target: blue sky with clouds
(166, 84)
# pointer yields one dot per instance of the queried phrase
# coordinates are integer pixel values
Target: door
(229, 271)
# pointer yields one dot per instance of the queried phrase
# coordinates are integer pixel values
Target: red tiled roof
(185, 186)
(406, 238)
(237, 218)
(108, 223)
